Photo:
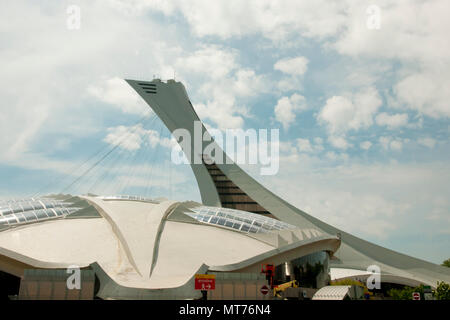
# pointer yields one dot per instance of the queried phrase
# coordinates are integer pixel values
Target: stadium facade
(138, 248)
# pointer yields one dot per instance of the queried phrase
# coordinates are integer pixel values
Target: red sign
(416, 296)
(264, 290)
(205, 282)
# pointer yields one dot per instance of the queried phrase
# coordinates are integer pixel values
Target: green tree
(405, 293)
(446, 263)
(442, 291)
(347, 282)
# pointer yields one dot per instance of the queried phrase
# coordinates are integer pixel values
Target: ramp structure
(227, 185)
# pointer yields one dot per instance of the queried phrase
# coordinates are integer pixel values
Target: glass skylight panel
(238, 220)
(214, 220)
(29, 205)
(29, 215)
(237, 225)
(51, 213)
(41, 214)
(20, 217)
(229, 223)
(127, 197)
(11, 219)
(16, 212)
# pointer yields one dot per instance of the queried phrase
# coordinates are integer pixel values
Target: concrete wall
(239, 286)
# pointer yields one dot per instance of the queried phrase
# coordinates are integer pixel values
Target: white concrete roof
(332, 293)
(341, 273)
(138, 244)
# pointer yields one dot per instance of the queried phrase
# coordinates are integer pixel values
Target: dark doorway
(9, 285)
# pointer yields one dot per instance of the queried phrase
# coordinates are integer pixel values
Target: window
(214, 220)
(29, 215)
(229, 223)
(238, 219)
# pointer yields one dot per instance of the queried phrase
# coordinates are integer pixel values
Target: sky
(359, 90)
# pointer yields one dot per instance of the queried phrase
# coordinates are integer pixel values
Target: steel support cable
(103, 170)
(118, 184)
(149, 168)
(98, 161)
(115, 161)
(136, 167)
(99, 171)
(118, 155)
(133, 166)
(76, 167)
(143, 165)
(156, 154)
(150, 160)
(157, 104)
(168, 167)
(120, 159)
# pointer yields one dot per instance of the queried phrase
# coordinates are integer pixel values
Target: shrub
(442, 291)
(446, 263)
(405, 293)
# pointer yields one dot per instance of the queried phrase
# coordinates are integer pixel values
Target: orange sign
(205, 282)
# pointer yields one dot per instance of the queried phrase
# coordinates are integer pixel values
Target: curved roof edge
(109, 289)
(362, 275)
(282, 254)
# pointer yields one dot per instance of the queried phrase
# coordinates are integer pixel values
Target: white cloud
(392, 121)
(137, 7)
(427, 142)
(214, 61)
(224, 85)
(247, 83)
(62, 64)
(396, 145)
(287, 107)
(389, 143)
(333, 156)
(118, 93)
(293, 66)
(410, 32)
(342, 113)
(339, 142)
(304, 145)
(134, 137)
(234, 18)
(216, 111)
(356, 197)
(365, 145)
(427, 92)
(128, 138)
